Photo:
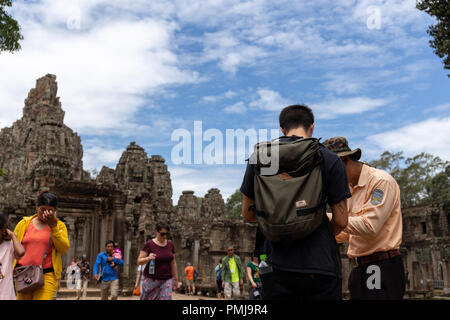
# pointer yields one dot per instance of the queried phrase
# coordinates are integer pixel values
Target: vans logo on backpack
(301, 204)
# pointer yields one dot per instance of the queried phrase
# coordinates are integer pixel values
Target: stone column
(119, 220)
(129, 265)
(446, 275)
(95, 239)
(80, 225)
(71, 232)
(103, 225)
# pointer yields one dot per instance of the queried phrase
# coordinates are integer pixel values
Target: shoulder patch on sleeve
(377, 197)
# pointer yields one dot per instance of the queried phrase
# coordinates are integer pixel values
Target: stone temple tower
(39, 149)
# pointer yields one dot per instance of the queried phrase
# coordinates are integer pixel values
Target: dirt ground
(175, 296)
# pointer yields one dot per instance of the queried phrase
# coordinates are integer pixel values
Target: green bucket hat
(339, 145)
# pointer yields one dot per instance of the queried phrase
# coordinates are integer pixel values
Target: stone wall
(426, 247)
(203, 233)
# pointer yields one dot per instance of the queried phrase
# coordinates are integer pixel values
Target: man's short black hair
(108, 242)
(296, 116)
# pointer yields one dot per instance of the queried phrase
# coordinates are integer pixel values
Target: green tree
(440, 32)
(234, 205)
(439, 187)
(2, 172)
(422, 178)
(389, 162)
(9, 29)
(417, 176)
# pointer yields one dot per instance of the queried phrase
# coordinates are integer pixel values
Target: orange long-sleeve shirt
(375, 218)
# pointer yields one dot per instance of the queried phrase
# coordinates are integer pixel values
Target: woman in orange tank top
(35, 233)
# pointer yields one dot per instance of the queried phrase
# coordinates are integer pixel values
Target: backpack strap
(324, 177)
(302, 212)
(318, 158)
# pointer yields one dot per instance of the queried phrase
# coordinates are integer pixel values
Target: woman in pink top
(10, 248)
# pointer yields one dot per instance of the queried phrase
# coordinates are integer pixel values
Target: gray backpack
(289, 202)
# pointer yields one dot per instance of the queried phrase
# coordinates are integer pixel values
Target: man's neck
(299, 132)
(355, 173)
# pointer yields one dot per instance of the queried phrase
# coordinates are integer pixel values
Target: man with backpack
(290, 207)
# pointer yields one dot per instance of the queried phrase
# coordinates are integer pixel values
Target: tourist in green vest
(232, 274)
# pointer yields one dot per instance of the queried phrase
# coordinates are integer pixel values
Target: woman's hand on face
(50, 218)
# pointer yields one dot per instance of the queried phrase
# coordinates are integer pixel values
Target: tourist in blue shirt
(108, 274)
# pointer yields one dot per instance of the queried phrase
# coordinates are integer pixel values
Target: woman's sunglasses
(162, 234)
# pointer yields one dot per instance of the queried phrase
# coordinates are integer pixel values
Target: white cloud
(344, 83)
(431, 136)
(269, 100)
(444, 108)
(335, 107)
(105, 72)
(394, 13)
(226, 95)
(95, 157)
(230, 51)
(200, 179)
(238, 108)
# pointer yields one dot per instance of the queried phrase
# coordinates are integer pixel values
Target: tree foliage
(9, 29)
(234, 205)
(2, 172)
(440, 32)
(422, 179)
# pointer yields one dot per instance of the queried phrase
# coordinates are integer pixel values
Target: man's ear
(311, 129)
(284, 131)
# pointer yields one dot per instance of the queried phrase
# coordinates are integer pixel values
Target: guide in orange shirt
(374, 229)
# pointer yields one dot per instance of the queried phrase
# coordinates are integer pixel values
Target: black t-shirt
(318, 252)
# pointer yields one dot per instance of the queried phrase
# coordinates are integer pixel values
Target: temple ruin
(39, 152)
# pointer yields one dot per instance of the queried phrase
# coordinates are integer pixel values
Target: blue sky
(138, 70)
